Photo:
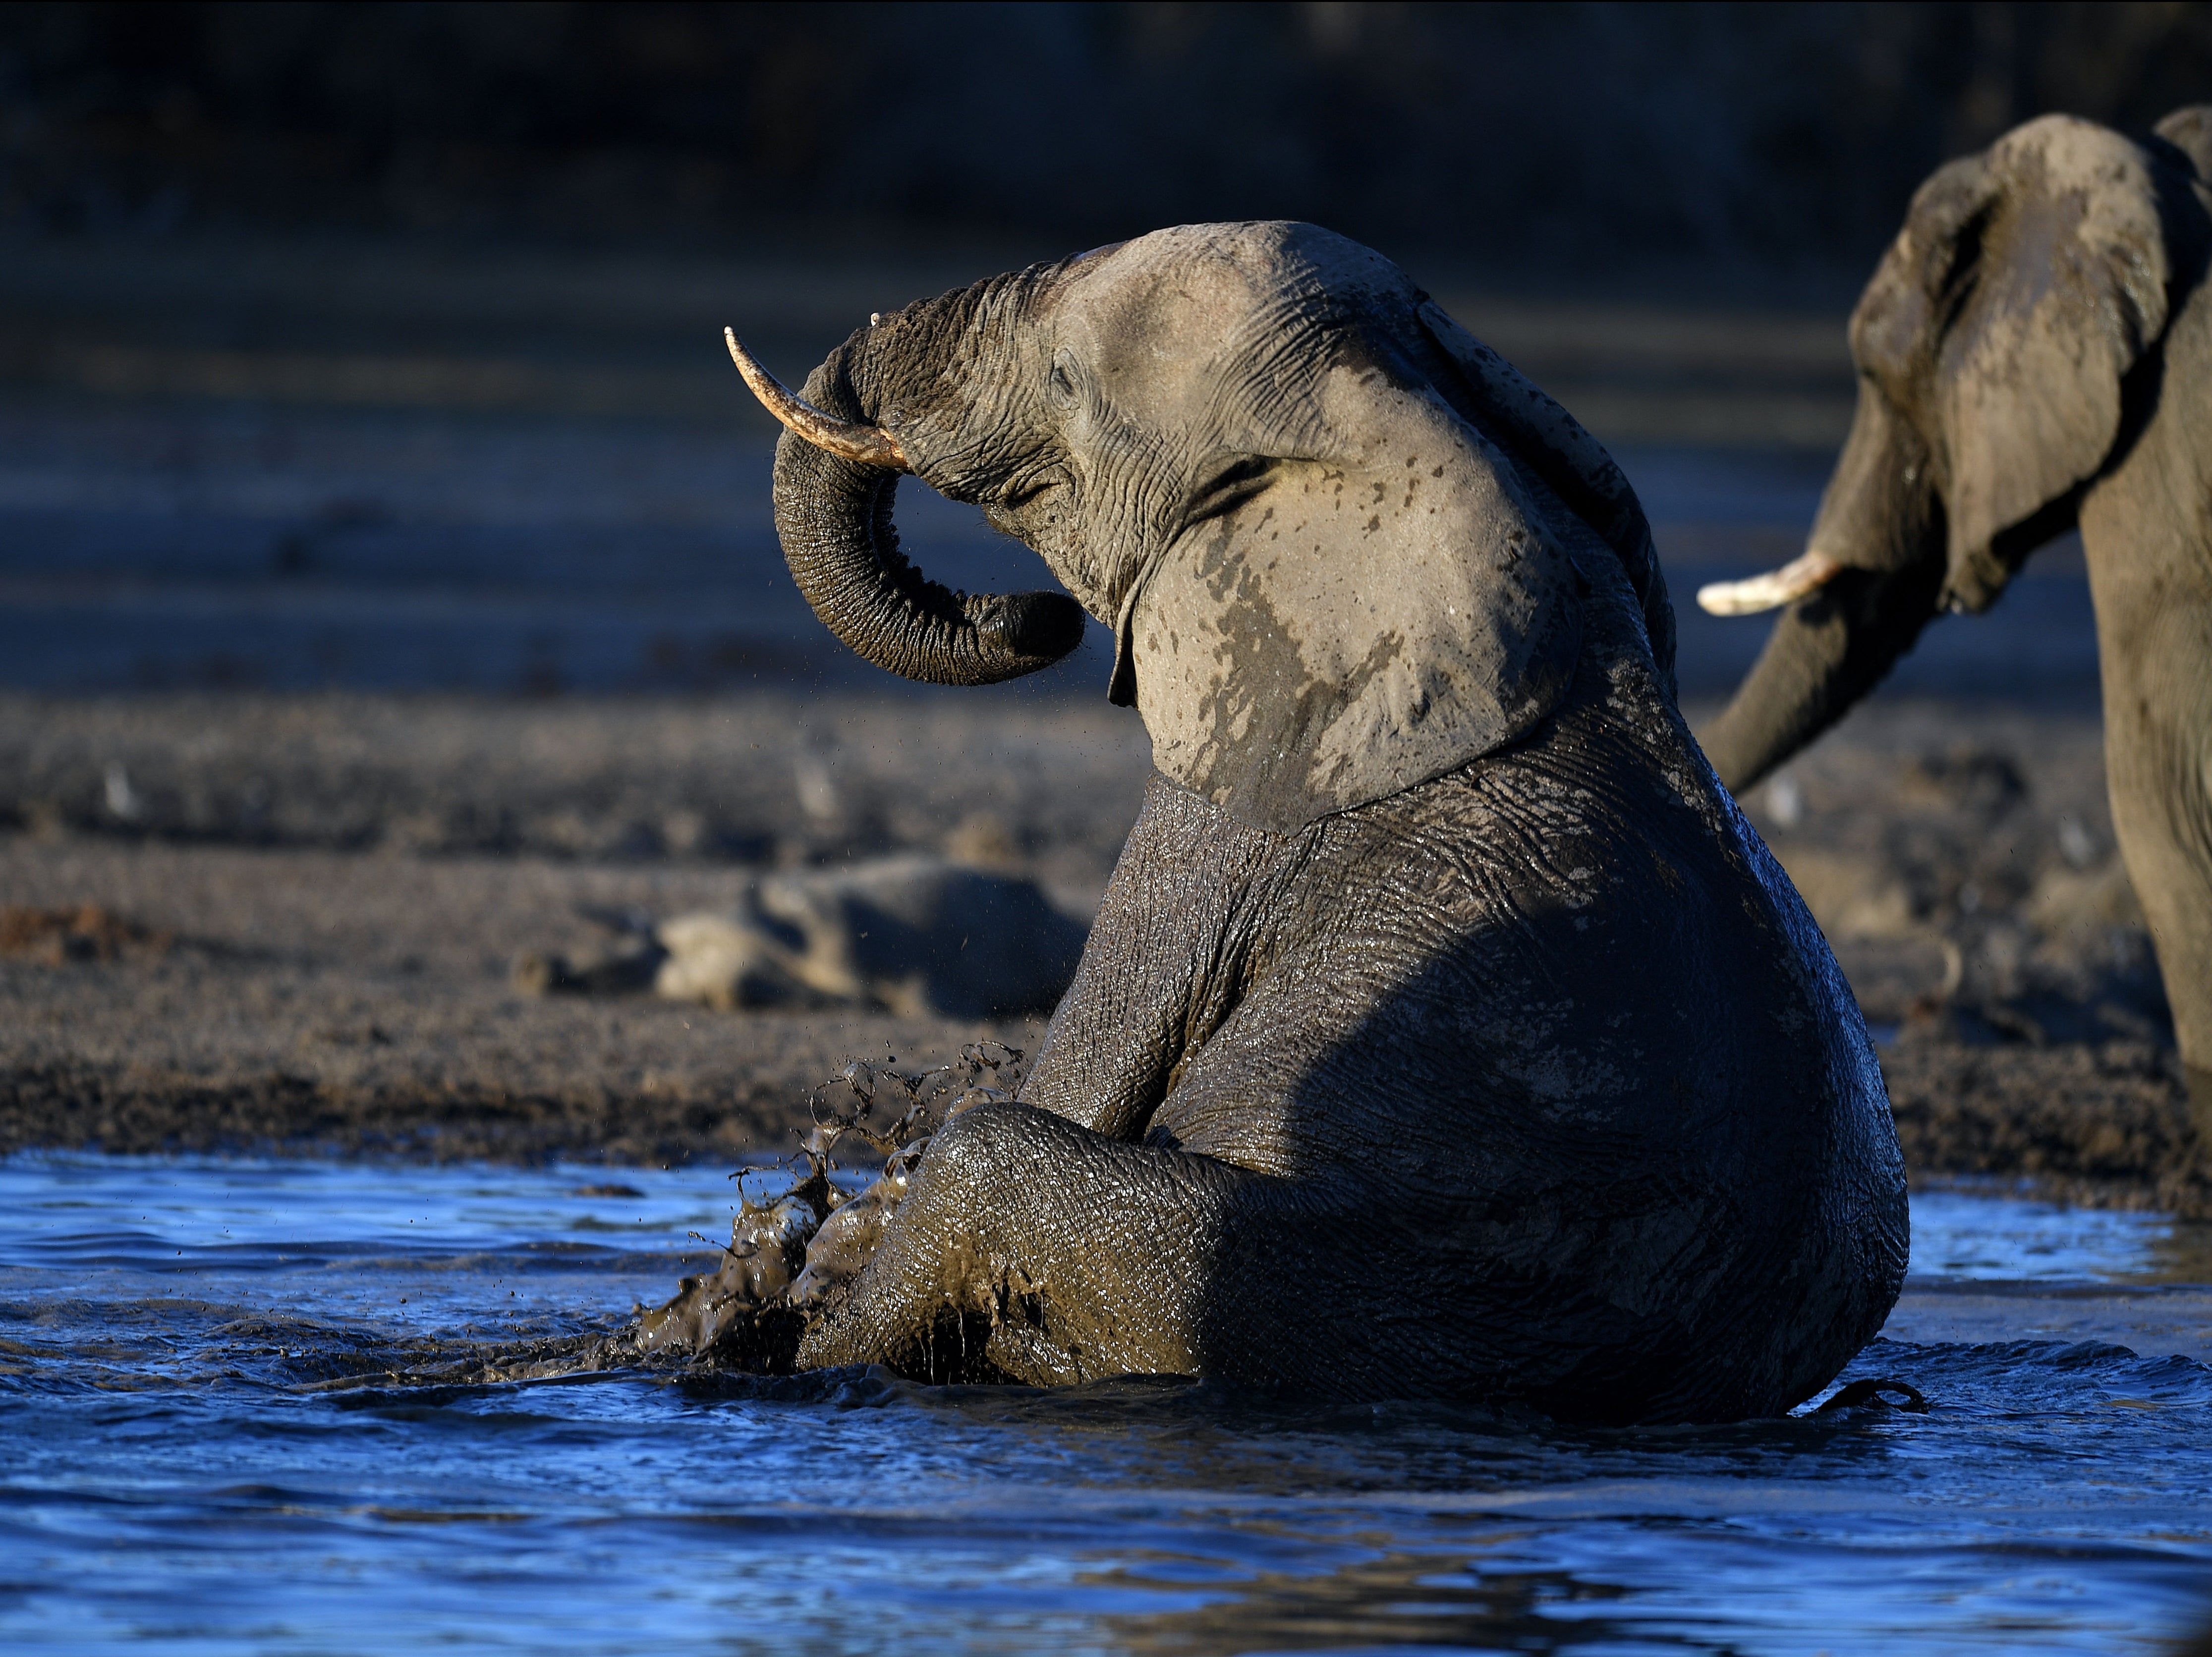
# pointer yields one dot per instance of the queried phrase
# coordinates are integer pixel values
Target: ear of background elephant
(1825, 653)
(1355, 626)
(1490, 392)
(2059, 286)
(2189, 130)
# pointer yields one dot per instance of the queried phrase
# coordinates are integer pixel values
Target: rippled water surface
(177, 1468)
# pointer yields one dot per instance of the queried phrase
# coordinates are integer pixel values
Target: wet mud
(249, 923)
(792, 1262)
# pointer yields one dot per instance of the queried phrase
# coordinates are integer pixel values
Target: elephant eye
(1032, 489)
(1060, 385)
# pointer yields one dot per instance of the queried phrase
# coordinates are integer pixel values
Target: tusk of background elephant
(870, 445)
(1778, 587)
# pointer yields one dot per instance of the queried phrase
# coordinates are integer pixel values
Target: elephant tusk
(1795, 578)
(872, 445)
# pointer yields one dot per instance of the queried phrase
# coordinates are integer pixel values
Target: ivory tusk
(872, 445)
(1799, 576)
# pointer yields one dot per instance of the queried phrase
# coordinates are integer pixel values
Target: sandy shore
(308, 909)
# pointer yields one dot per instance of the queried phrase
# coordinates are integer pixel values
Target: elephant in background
(2034, 355)
(1445, 1030)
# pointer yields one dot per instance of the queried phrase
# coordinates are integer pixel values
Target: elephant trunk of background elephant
(1881, 529)
(833, 512)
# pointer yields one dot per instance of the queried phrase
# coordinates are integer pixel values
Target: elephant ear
(2189, 130)
(2050, 258)
(1355, 611)
(1575, 466)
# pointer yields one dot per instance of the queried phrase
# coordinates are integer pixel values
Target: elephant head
(1301, 495)
(2005, 350)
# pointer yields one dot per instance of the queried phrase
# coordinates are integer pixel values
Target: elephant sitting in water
(2034, 355)
(1444, 1029)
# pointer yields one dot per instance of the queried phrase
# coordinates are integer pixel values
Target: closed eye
(1029, 490)
(1025, 509)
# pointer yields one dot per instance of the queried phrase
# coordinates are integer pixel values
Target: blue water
(198, 1453)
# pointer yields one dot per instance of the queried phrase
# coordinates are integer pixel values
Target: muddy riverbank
(257, 923)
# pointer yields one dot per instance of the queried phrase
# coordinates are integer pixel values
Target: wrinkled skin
(1445, 1030)
(2035, 355)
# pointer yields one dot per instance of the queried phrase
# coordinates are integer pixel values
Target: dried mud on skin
(246, 923)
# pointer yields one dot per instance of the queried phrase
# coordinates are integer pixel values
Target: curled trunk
(834, 516)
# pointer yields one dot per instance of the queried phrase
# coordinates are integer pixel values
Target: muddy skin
(1006, 1303)
(790, 1264)
(1435, 929)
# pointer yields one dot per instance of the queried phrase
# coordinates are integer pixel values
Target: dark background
(379, 346)
(1616, 146)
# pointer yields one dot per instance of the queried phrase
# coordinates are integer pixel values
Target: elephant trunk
(836, 472)
(1826, 652)
(1875, 558)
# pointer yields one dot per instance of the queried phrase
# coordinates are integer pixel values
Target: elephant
(1445, 1030)
(2034, 355)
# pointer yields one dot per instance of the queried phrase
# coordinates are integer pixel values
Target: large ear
(2049, 257)
(1553, 444)
(1363, 610)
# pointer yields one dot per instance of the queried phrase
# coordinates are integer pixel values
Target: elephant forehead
(2069, 154)
(1167, 303)
(1254, 257)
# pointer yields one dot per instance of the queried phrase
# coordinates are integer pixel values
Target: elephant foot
(848, 1239)
(1031, 1249)
(788, 1267)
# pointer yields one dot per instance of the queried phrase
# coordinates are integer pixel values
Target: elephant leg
(2155, 648)
(1166, 962)
(1030, 1248)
